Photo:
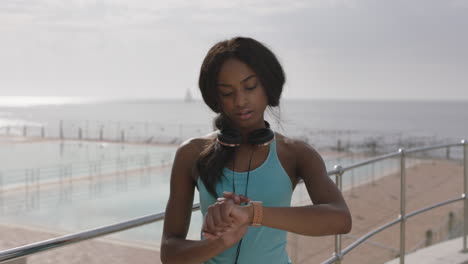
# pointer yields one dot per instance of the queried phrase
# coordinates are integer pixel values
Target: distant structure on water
(188, 97)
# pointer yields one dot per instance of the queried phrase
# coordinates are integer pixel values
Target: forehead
(233, 71)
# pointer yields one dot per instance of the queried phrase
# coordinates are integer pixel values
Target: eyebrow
(244, 80)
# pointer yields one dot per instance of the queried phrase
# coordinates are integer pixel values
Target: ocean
(321, 123)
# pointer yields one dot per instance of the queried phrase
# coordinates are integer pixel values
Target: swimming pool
(72, 186)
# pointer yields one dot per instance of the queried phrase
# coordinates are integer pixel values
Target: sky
(151, 49)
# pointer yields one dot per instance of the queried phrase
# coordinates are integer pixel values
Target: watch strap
(258, 213)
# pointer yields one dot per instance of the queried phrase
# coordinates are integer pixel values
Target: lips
(245, 114)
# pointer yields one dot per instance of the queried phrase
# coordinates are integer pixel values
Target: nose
(240, 100)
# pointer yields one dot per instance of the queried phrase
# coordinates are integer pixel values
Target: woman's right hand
(221, 215)
(221, 224)
(233, 235)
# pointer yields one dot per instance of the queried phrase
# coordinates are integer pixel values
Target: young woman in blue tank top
(245, 173)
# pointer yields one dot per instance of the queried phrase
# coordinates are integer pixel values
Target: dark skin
(226, 221)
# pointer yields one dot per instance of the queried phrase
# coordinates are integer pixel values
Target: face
(241, 94)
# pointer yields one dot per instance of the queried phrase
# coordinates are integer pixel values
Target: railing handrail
(370, 234)
(45, 245)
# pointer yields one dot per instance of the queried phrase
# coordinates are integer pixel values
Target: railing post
(339, 184)
(122, 135)
(1, 193)
(402, 204)
(61, 129)
(465, 191)
(101, 133)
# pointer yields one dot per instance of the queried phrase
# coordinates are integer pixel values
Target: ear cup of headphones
(232, 137)
(261, 137)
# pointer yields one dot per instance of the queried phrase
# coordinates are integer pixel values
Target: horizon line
(12, 101)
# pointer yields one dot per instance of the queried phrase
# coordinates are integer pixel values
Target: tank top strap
(273, 147)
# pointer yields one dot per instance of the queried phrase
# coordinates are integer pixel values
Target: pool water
(73, 186)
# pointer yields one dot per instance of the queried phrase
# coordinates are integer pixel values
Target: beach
(372, 204)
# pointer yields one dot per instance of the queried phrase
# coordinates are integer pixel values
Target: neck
(247, 130)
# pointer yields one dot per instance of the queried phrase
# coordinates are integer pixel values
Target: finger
(244, 199)
(232, 196)
(227, 194)
(209, 236)
(204, 227)
(228, 206)
(239, 214)
(237, 199)
(225, 217)
(230, 202)
(217, 219)
(209, 225)
(224, 214)
(214, 221)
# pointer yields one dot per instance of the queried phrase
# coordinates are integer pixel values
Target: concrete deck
(448, 252)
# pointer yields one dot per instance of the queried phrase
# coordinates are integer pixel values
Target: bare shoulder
(307, 159)
(189, 152)
(194, 146)
(285, 142)
(296, 146)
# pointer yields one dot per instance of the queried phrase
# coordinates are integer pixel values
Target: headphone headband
(230, 137)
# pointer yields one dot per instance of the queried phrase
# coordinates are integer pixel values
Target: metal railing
(402, 153)
(338, 171)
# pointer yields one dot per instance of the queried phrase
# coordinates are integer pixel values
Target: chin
(248, 123)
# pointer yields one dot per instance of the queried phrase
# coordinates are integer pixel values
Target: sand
(371, 205)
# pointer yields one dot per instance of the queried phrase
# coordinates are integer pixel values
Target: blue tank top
(268, 183)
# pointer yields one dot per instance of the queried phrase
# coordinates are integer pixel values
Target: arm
(175, 248)
(329, 213)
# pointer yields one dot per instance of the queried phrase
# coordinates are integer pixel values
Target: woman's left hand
(238, 199)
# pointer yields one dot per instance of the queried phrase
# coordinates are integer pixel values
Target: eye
(225, 94)
(251, 88)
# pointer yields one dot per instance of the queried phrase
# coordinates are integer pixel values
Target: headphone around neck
(231, 137)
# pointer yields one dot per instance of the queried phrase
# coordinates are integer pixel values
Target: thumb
(244, 199)
(232, 196)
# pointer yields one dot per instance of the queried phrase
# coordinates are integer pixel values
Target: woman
(245, 161)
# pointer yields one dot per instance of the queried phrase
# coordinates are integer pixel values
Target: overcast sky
(330, 49)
